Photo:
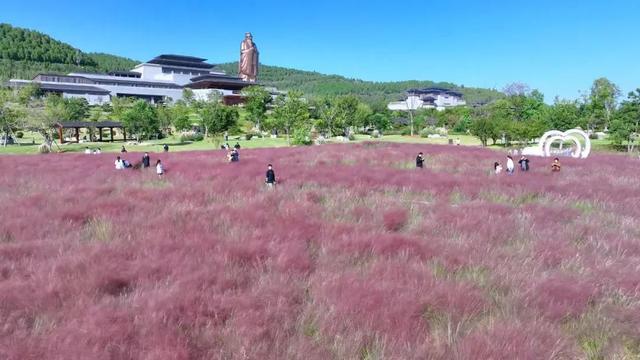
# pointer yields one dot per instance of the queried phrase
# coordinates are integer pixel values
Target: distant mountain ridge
(25, 53)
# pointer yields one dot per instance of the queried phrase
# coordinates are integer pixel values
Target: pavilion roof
(89, 124)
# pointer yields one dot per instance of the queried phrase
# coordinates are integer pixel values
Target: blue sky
(559, 46)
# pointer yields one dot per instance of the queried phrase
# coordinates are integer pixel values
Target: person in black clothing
(146, 160)
(524, 163)
(165, 147)
(123, 150)
(420, 161)
(237, 146)
(270, 177)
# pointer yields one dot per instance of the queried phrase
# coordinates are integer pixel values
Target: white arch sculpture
(548, 138)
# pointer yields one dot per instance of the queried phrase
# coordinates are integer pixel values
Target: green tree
(257, 102)
(565, 115)
(8, 114)
(485, 125)
(141, 120)
(180, 115)
(602, 103)
(291, 112)
(380, 121)
(217, 118)
(346, 113)
(625, 126)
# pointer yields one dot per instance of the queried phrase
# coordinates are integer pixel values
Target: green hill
(315, 84)
(24, 53)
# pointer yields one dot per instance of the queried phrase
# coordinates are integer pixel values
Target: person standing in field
(524, 163)
(159, 168)
(123, 150)
(420, 161)
(165, 147)
(87, 150)
(270, 177)
(510, 165)
(555, 165)
(146, 160)
(497, 168)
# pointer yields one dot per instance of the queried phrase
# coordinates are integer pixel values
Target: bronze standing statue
(248, 65)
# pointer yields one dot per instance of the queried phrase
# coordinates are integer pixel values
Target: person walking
(146, 160)
(420, 161)
(555, 165)
(159, 168)
(510, 165)
(270, 177)
(524, 163)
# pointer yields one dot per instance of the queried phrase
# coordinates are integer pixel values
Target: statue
(248, 65)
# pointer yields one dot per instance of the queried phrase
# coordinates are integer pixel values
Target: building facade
(429, 98)
(161, 79)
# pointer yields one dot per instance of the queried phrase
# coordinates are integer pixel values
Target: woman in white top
(119, 164)
(159, 169)
(510, 165)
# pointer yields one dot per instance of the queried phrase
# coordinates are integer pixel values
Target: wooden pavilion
(77, 125)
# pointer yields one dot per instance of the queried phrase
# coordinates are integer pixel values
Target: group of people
(95, 151)
(122, 164)
(523, 163)
(511, 167)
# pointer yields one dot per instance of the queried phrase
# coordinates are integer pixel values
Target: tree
(257, 102)
(602, 102)
(291, 112)
(217, 118)
(346, 113)
(141, 119)
(180, 116)
(327, 113)
(380, 121)
(8, 114)
(565, 115)
(485, 126)
(67, 109)
(625, 127)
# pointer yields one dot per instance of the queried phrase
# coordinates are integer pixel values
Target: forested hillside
(315, 84)
(24, 53)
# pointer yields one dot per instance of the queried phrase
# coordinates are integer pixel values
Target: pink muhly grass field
(355, 254)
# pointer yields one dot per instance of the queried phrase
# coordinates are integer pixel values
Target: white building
(161, 79)
(429, 98)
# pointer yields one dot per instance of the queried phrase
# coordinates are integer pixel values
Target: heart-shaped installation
(573, 135)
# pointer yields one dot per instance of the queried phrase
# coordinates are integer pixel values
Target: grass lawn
(29, 144)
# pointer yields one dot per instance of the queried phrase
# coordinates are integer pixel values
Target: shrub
(191, 136)
(248, 136)
(301, 137)
(19, 134)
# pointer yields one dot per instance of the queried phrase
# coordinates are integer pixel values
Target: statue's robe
(248, 66)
